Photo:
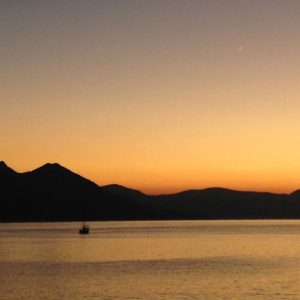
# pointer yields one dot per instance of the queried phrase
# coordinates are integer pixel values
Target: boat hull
(84, 230)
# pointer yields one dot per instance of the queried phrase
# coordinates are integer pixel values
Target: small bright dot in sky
(240, 48)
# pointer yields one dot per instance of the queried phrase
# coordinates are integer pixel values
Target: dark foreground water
(151, 260)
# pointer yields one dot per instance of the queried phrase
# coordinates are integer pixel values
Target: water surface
(151, 260)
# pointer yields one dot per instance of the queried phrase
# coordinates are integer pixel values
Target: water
(151, 260)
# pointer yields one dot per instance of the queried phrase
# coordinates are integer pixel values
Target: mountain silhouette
(121, 191)
(5, 170)
(220, 203)
(54, 193)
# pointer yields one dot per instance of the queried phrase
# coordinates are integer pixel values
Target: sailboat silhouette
(84, 229)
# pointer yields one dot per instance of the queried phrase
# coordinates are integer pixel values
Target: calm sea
(151, 260)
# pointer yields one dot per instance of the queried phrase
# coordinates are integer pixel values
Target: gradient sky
(155, 95)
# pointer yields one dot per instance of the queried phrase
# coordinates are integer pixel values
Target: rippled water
(151, 260)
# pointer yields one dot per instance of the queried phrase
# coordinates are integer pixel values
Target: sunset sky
(157, 95)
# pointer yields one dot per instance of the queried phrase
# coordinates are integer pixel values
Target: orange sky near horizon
(160, 96)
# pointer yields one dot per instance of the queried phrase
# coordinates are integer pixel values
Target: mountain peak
(4, 168)
(119, 189)
(51, 167)
(3, 164)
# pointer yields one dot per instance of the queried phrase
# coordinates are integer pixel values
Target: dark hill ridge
(220, 203)
(54, 193)
(120, 190)
(4, 169)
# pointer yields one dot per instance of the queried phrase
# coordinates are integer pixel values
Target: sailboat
(84, 229)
